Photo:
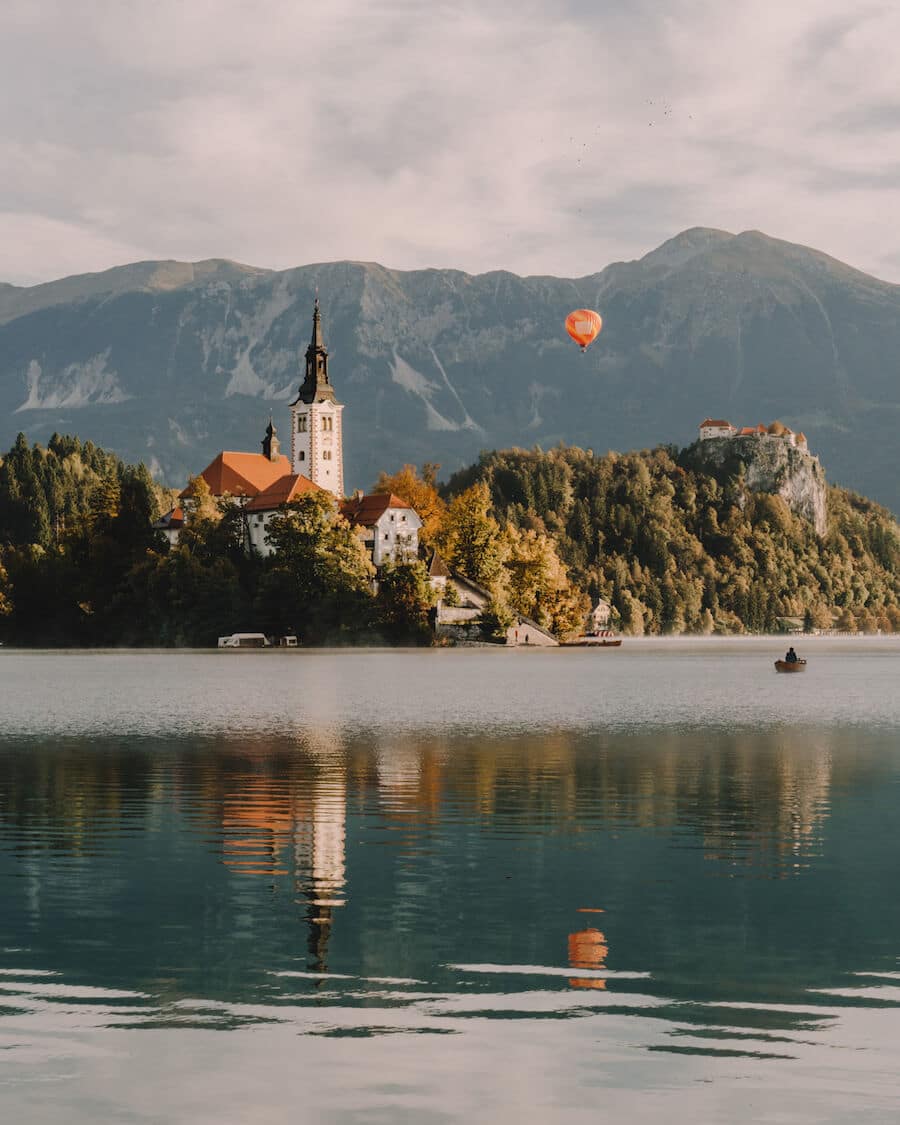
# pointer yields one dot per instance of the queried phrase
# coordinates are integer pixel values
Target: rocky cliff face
(772, 464)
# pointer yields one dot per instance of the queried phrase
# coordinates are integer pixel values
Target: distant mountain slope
(171, 362)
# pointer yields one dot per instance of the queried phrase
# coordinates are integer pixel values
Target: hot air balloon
(584, 325)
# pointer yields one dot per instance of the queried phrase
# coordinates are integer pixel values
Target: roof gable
(367, 510)
(242, 474)
(282, 491)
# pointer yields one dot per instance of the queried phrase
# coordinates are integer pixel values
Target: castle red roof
(715, 422)
(282, 491)
(241, 474)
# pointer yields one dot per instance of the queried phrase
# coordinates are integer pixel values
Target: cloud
(543, 138)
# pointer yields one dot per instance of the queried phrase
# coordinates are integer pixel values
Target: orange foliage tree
(419, 491)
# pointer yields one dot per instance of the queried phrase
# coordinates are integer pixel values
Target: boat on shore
(244, 640)
(603, 639)
(790, 665)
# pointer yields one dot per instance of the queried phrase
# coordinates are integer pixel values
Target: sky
(532, 136)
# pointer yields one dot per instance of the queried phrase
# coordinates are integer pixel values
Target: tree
(320, 572)
(405, 598)
(495, 620)
(420, 492)
(470, 537)
(538, 585)
(201, 501)
(6, 604)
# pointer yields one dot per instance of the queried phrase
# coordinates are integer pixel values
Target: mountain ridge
(171, 361)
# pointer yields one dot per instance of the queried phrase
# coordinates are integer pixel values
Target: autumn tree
(418, 491)
(470, 537)
(538, 586)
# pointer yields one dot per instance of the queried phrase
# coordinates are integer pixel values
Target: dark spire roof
(270, 442)
(315, 386)
(317, 341)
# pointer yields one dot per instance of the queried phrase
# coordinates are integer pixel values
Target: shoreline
(774, 642)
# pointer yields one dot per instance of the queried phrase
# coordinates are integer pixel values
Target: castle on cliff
(719, 428)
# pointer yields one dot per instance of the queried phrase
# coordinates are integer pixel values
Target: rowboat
(790, 665)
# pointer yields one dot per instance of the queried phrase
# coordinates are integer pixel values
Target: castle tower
(317, 449)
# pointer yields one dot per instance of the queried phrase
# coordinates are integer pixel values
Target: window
(392, 517)
(301, 423)
(326, 454)
(302, 455)
(327, 423)
(403, 519)
(386, 535)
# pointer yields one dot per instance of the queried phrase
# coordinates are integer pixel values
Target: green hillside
(678, 547)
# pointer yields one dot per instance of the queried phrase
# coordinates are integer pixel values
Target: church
(261, 483)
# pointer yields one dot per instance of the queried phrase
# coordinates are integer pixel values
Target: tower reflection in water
(284, 805)
(293, 822)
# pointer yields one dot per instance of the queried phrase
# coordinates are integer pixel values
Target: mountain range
(170, 362)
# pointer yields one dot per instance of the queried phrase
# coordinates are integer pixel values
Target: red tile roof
(716, 422)
(366, 510)
(173, 520)
(282, 491)
(242, 474)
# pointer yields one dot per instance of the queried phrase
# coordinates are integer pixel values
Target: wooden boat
(604, 639)
(790, 665)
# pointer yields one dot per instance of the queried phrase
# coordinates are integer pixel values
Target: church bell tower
(317, 449)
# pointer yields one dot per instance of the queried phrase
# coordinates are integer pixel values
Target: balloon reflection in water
(588, 950)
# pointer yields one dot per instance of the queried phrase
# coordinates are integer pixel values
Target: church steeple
(315, 386)
(270, 443)
(317, 448)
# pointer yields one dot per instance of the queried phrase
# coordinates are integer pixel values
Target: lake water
(639, 885)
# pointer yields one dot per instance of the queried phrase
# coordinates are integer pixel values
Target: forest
(677, 549)
(672, 548)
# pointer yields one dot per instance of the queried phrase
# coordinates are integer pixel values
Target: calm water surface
(640, 885)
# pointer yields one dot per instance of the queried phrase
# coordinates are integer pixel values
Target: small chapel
(261, 483)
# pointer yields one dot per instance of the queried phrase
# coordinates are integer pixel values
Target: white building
(387, 525)
(262, 483)
(170, 524)
(317, 448)
(715, 428)
(261, 508)
(600, 616)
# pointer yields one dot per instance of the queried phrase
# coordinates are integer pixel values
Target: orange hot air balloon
(584, 325)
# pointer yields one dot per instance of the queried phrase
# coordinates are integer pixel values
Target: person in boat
(791, 657)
